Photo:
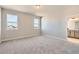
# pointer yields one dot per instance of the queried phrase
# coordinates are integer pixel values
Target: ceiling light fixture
(37, 6)
(73, 18)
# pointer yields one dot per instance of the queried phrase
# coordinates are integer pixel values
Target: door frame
(67, 17)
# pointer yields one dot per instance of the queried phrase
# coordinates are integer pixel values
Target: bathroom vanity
(73, 33)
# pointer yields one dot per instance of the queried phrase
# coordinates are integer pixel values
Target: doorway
(73, 29)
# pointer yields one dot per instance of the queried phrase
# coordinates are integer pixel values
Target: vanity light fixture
(37, 6)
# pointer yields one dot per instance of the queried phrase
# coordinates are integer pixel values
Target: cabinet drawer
(72, 34)
(76, 34)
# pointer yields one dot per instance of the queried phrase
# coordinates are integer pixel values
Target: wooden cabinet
(76, 34)
(73, 33)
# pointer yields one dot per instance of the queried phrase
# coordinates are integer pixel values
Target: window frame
(16, 21)
(36, 23)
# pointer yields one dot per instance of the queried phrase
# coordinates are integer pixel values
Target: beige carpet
(38, 45)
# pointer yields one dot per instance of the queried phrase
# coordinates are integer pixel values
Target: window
(36, 23)
(11, 21)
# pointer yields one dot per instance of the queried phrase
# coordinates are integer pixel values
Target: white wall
(54, 26)
(55, 22)
(71, 24)
(0, 24)
(25, 26)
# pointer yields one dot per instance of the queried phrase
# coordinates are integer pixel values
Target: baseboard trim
(0, 41)
(21, 37)
(51, 36)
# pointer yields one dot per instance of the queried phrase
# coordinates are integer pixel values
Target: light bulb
(37, 6)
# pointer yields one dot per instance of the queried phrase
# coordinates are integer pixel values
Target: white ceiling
(43, 10)
(46, 10)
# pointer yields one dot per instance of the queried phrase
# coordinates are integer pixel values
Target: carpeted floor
(38, 45)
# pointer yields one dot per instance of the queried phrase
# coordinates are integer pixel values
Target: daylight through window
(11, 21)
(36, 23)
